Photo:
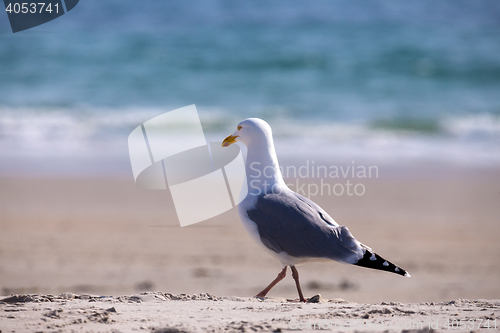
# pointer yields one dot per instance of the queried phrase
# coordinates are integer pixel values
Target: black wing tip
(374, 261)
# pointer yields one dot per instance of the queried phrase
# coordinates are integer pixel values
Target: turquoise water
(375, 77)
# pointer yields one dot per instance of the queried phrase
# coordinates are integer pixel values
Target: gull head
(250, 131)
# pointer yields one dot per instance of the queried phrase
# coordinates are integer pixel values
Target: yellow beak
(229, 140)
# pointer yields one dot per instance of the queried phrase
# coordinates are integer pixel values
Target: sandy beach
(107, 238)
(164, 312)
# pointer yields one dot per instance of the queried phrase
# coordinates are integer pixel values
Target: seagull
(287, 225)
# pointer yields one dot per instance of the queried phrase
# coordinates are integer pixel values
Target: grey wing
(291, 223)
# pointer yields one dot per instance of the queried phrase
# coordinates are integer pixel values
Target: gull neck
(262, 168)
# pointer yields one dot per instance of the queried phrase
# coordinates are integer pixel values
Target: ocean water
(380, 80)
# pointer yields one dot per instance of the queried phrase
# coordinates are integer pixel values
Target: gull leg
(295, 276)
(280, 277)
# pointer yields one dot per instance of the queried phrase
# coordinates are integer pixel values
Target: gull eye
(239, 127)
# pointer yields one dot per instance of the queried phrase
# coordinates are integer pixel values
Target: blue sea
(380, 80)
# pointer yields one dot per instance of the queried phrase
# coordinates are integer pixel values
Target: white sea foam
(468, 140)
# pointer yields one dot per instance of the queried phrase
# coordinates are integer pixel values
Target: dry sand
(163, 312)
(104, 236)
